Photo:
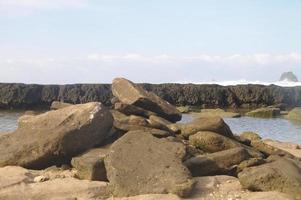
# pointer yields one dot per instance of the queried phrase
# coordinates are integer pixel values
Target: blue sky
(68, 41)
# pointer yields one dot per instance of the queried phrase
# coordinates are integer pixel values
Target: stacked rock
(137, 148)
(138, 109)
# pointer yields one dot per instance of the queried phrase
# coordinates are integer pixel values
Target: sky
(156, 41)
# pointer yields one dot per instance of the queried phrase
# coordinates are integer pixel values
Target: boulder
(221, 162)
(54, 137)
(90, 165)
(212, 142)
(133, 122)
(160, 120)
(214, 124)
(283, 175)
(154, 131)
(294, 114)
(55, 105)
(250, 163)
(267, 112)
(216, 113)
(139, 163)
(250, 136)
(132, 110)
(129, 93)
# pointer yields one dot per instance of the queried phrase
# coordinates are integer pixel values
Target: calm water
(8, 121)
(276, 128)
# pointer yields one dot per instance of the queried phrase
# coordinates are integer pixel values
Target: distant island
(289, 76)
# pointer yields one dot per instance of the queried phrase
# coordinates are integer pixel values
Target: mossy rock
(264, 113)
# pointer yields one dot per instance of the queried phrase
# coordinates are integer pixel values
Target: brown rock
(139, 163)
(283, 175)
(129, 93)
(55, 105)
(90, 165)
(212, 142)
(216, 163)
(56, 136)
(250, 136)
(214, 124)
(132, 110)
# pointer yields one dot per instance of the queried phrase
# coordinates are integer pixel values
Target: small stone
(40, 179)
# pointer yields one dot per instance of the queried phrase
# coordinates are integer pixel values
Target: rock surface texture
(129, 93)
(55, 136)
(139, 163)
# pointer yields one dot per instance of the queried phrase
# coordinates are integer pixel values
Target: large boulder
(54, 137)
(139, 163)
(267, 112)
(129, 93)
(90, 165)
(283, 175)
(212, 142)
(221, 162)
(214, 124)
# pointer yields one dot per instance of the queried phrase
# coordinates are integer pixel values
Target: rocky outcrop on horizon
(19, 96)
(288, 76)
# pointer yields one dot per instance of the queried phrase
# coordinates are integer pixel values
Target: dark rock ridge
(15, 96)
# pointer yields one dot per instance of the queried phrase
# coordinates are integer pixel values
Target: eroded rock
(55, 136)
(139, 163)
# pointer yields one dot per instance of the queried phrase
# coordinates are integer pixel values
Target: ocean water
(8, 120)
(274, 128)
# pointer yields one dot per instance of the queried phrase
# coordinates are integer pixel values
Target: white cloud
(159, 68)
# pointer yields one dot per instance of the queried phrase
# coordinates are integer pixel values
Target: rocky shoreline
(22, 96)
(136, 150)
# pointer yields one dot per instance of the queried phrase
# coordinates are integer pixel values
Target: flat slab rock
(129, 93)
(138, 163)
(214, 188)
(54, 137)
(17, 183)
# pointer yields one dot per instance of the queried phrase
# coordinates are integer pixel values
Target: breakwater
(27, 96)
